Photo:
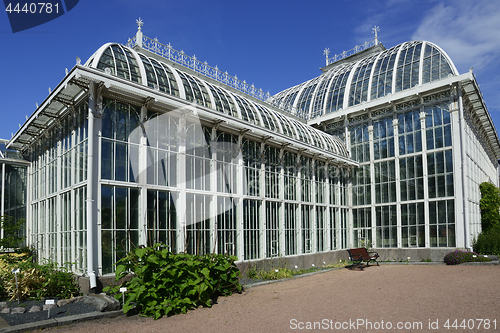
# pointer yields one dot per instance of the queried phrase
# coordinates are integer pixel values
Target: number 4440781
(33, 8)
(471, 324)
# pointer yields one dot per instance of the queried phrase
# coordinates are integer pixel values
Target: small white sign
(123, 289)
(49, 301)
(15, 270)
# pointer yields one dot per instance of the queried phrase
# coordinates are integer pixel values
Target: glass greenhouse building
(143, 144)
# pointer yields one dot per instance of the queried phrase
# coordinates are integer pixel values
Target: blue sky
(273, 44)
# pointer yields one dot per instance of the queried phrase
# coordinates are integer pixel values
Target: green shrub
(489, 205)
(35, 280)
(487, 243)
(165, 283)
(458, 257)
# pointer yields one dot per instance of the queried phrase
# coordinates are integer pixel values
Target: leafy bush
(487, 243)
(35, 280)
(458, 257)
(490, 207)
(165, 283)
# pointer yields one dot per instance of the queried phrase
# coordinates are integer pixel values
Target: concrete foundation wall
(415, 254)
(329, 258)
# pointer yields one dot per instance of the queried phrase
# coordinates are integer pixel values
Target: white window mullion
(281, 195)
(180, 203)
(263, 221)
(240, 176)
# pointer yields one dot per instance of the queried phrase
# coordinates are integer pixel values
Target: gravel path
(414, 296)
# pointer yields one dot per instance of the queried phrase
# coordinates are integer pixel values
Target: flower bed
(458, 257)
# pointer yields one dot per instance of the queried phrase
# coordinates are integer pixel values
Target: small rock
(18, 309)
(77, 299)
(3, 305)
(102, 302)
(35, 308)
(5, 310)
(64, 302)
(46, 307)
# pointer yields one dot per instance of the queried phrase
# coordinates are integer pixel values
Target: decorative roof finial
(138, 35)
(326, 52)
(139, 23)
(375, 30)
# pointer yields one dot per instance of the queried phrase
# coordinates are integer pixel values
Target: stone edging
(60, 321)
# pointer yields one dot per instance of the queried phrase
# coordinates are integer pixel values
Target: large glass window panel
(361, 186)
(360, 146)
(408, 65)
(435, 65)
(335, 99)
(161, 219)
(198, 158)
(272, 229)
(251, 230)
(272, 174)
(320, 228)
(291, 230)
(386, 226)
(442, 223)
(385, 181)
(252, 165)
(226, 226)
(306, 175)
(227, 162)
(362, 224)
(290, 175)
(198, 222)
(119, 224)
(440, 171)
(438, 124)
(383, 138)
(410, 137)
(307, 228)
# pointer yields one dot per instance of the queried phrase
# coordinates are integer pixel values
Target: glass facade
(406, 163)
(227, 183)
(58, 178)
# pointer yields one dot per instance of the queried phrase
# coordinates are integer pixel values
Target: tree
(490, 207)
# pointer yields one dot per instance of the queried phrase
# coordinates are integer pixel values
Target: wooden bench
(357, 256)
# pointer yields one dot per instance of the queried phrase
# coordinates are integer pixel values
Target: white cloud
(468, 31)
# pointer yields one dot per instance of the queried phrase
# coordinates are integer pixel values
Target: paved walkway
(411, 297)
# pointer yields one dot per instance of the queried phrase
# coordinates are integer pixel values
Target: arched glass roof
(377, 75)
(129, 64)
